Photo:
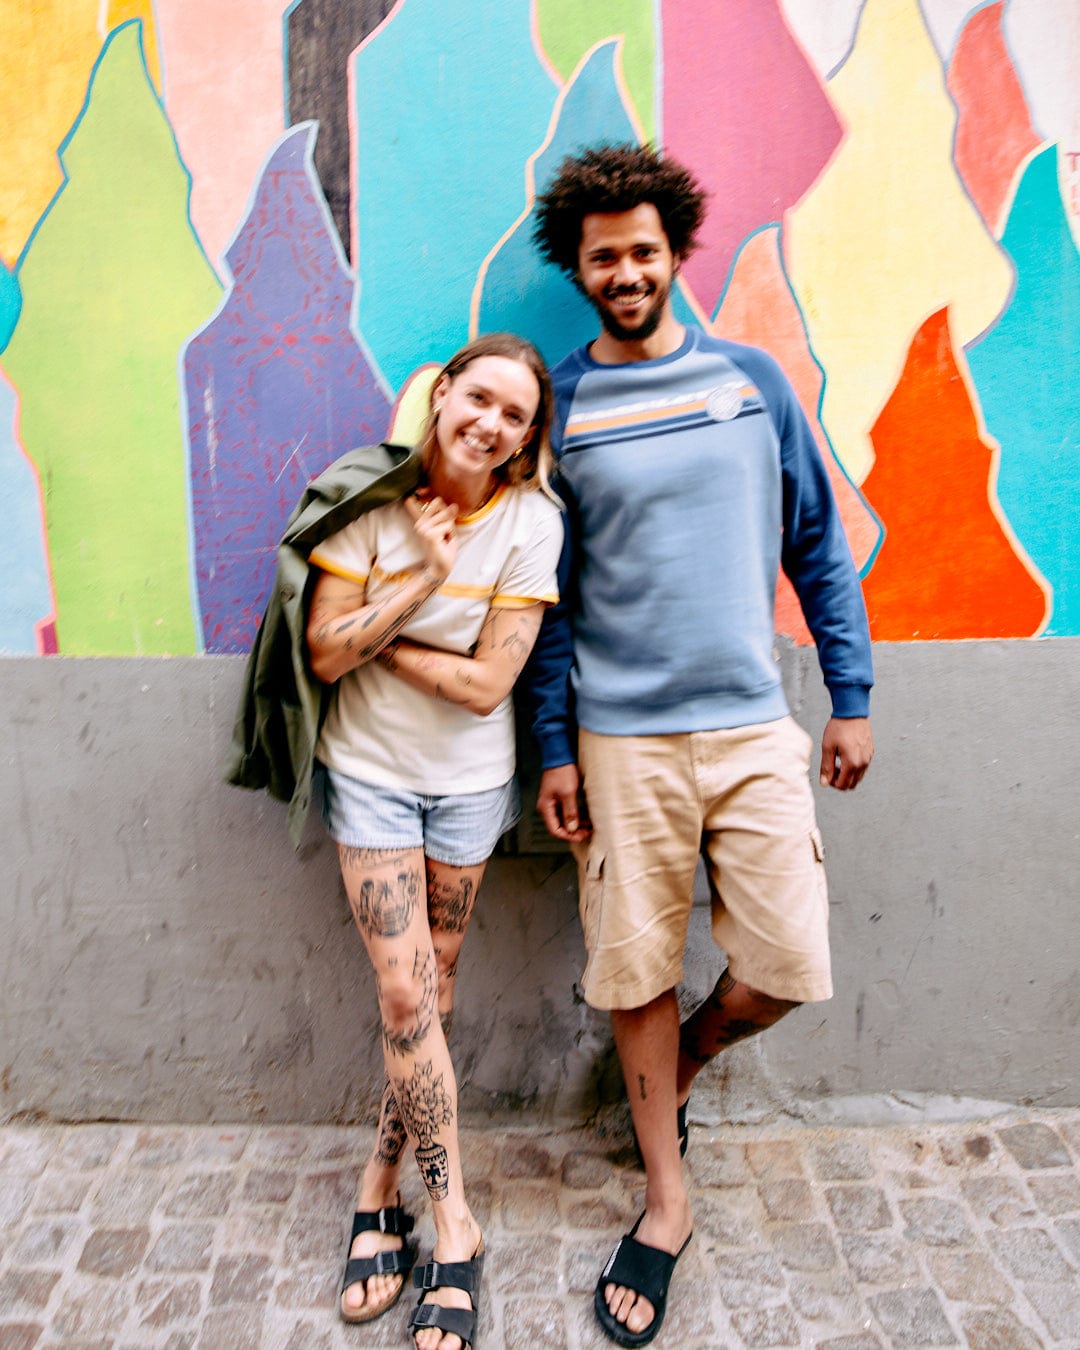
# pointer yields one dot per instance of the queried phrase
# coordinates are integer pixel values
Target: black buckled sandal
(647, 1271)
(398, 1261)
(464, 1275)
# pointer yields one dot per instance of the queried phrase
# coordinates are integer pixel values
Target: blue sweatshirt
(688, 481)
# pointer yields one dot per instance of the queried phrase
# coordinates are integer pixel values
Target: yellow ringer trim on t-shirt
(462, 592)
(487, 507)
(336, 569)
(522, 601)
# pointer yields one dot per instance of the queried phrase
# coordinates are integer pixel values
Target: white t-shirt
(378, 728)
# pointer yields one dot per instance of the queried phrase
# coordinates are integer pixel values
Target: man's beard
(645, 327)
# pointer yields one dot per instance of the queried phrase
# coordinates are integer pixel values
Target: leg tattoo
(450, 905)
(405, 1040)
(425, 1107)
(731, 1013)
(384, 908)
(392, 1136)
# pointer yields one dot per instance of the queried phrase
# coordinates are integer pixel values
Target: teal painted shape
(10, 304)
(26, 596)
(450, 100)
(1026, 373)
(522, 293)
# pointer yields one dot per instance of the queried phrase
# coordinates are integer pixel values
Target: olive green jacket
(282, 704)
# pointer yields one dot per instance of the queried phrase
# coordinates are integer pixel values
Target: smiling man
(690, 476)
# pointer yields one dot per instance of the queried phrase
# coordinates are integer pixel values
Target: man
(690, 474)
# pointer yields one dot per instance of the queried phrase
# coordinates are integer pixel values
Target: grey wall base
(166, 955)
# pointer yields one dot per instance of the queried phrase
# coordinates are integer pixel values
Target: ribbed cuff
(850, 700)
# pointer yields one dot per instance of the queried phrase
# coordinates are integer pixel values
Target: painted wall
(233, 239)
(166, 955)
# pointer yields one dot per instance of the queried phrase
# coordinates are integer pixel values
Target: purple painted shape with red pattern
(277, 387)
(743, 108)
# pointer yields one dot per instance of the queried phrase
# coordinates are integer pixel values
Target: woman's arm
(344, 632)
(479, 682)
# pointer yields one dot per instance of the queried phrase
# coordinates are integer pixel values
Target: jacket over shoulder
(282, 703)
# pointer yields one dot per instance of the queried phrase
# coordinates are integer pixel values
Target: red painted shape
(744, 108)
(994, 134)
(947, 568)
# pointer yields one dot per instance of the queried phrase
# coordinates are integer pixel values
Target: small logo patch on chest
(726, 401)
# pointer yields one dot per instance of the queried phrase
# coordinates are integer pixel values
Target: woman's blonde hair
(530, 468)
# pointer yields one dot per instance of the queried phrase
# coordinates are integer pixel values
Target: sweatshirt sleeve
(817, 559)
(545, 682)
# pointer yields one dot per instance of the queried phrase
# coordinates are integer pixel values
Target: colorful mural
(234, 241)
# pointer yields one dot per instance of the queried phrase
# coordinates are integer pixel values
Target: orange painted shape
(994, 135)
(120, 11)
(946, 568)
(759, 308)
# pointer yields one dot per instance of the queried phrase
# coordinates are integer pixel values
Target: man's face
(626, 268)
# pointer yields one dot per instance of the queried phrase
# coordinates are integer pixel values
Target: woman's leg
(387, 891)
(451, 894)
(384, 890)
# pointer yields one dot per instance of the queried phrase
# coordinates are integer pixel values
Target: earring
(518, 452)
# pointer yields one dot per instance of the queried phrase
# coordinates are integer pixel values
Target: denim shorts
(460, 830)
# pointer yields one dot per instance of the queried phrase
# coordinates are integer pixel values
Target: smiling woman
(422, 615)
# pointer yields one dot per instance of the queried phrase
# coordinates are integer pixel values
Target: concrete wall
(166, 956)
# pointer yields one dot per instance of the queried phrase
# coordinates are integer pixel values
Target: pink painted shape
(760, 309)
(224, 96)
(744, 108)
(994, 135)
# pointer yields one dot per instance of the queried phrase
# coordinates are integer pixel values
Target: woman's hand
(433, 521)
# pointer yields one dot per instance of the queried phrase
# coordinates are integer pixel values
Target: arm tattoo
(450, 905)
(384, 908)
(425, 1107)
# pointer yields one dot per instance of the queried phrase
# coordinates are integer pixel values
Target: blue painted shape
(26, 595)
(520, 292)
(1025, 371)
(450, 102)
(275, 387)
(10, 304)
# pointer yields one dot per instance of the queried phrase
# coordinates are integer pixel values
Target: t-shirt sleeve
(529, 575)
(349, 553)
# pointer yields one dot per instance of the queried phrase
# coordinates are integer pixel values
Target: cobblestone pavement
(847, 1238)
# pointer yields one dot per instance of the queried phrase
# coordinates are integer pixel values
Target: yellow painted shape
(411, 409)
(119, 12)
(47, 51)
(887, 235)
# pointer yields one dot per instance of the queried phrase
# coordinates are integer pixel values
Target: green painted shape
(113, 281)
(568, 29)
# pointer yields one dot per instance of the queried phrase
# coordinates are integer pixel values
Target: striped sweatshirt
(689, 480)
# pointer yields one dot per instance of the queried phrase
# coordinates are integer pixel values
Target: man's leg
(732, 1012)
(770, 907)
(647, 1040)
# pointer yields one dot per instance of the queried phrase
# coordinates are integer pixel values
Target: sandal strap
(463, 1275)
(392, 1219)
(397, 1262)
(460, 1322)
(646, 1270)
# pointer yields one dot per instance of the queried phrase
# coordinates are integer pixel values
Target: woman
(422, 616)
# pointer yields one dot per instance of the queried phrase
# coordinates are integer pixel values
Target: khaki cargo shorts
(741, 798)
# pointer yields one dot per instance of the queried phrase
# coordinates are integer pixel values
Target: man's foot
(379, 1261)
(631, 1294)
(445, 1317)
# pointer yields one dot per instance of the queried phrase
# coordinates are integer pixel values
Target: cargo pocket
(818, 845)
(591, 897)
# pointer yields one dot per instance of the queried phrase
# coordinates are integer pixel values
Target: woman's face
(485, 413)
